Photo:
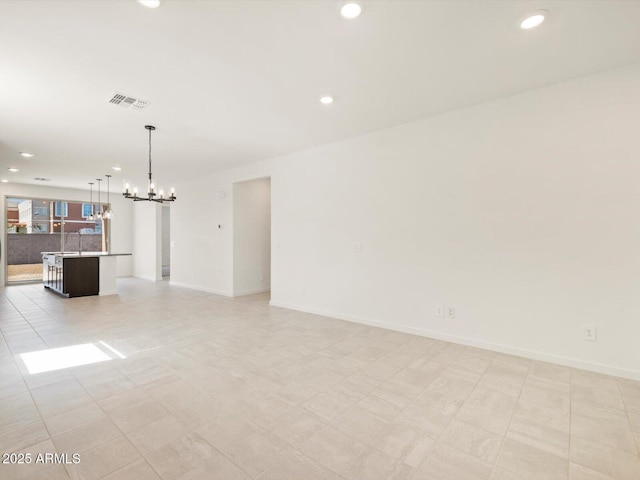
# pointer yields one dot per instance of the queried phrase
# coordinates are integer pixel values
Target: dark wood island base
(74, 276)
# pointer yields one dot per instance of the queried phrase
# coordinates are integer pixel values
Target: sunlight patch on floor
(66, 357)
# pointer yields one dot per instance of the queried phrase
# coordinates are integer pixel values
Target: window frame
(57, 209)
(86, 205)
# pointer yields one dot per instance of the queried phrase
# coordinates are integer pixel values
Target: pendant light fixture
(152, 196)
(99, 214)
(108, 213)
(91, 218)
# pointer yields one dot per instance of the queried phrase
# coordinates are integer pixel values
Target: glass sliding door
(49, 225)
(31, 229)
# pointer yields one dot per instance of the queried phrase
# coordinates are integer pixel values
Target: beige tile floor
(232, 389)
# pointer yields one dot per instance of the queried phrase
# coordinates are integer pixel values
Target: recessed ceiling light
(14, 170)
(27, 155)
(351, 10)
(4, 180)
(533, 20)
(326, 100)
(117, 169)
(150, 3)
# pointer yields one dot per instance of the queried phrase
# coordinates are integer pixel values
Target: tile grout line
(570, 420)
(636, 435)
(504, 437)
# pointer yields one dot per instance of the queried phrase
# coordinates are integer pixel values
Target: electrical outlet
(357, 247)
(302, 291)
(451, 312)
(589, 332)
(440, 311)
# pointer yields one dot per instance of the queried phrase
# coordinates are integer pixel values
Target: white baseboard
(200, 289)
(251, 292)
(496, 347)
(151, 278)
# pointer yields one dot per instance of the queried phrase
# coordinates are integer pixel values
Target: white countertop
(84, 254)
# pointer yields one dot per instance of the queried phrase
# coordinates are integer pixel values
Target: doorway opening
(252, 236)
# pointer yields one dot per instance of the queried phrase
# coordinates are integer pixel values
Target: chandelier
(152, 195)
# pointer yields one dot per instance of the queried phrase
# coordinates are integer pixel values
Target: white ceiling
(232, 82)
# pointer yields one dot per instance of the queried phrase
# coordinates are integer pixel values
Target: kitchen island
(78, 274)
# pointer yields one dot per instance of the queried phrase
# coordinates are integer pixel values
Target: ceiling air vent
(127, 102)
(42, 179)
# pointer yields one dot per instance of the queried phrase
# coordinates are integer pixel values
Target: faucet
(79, 239)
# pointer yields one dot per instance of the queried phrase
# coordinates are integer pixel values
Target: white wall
(251, 236)
(147, 240)
(522, 213)
(121, 237)
(202, 230)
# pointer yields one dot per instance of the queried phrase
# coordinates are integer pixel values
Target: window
(40, 212)
(66, 209)
(86, 209)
